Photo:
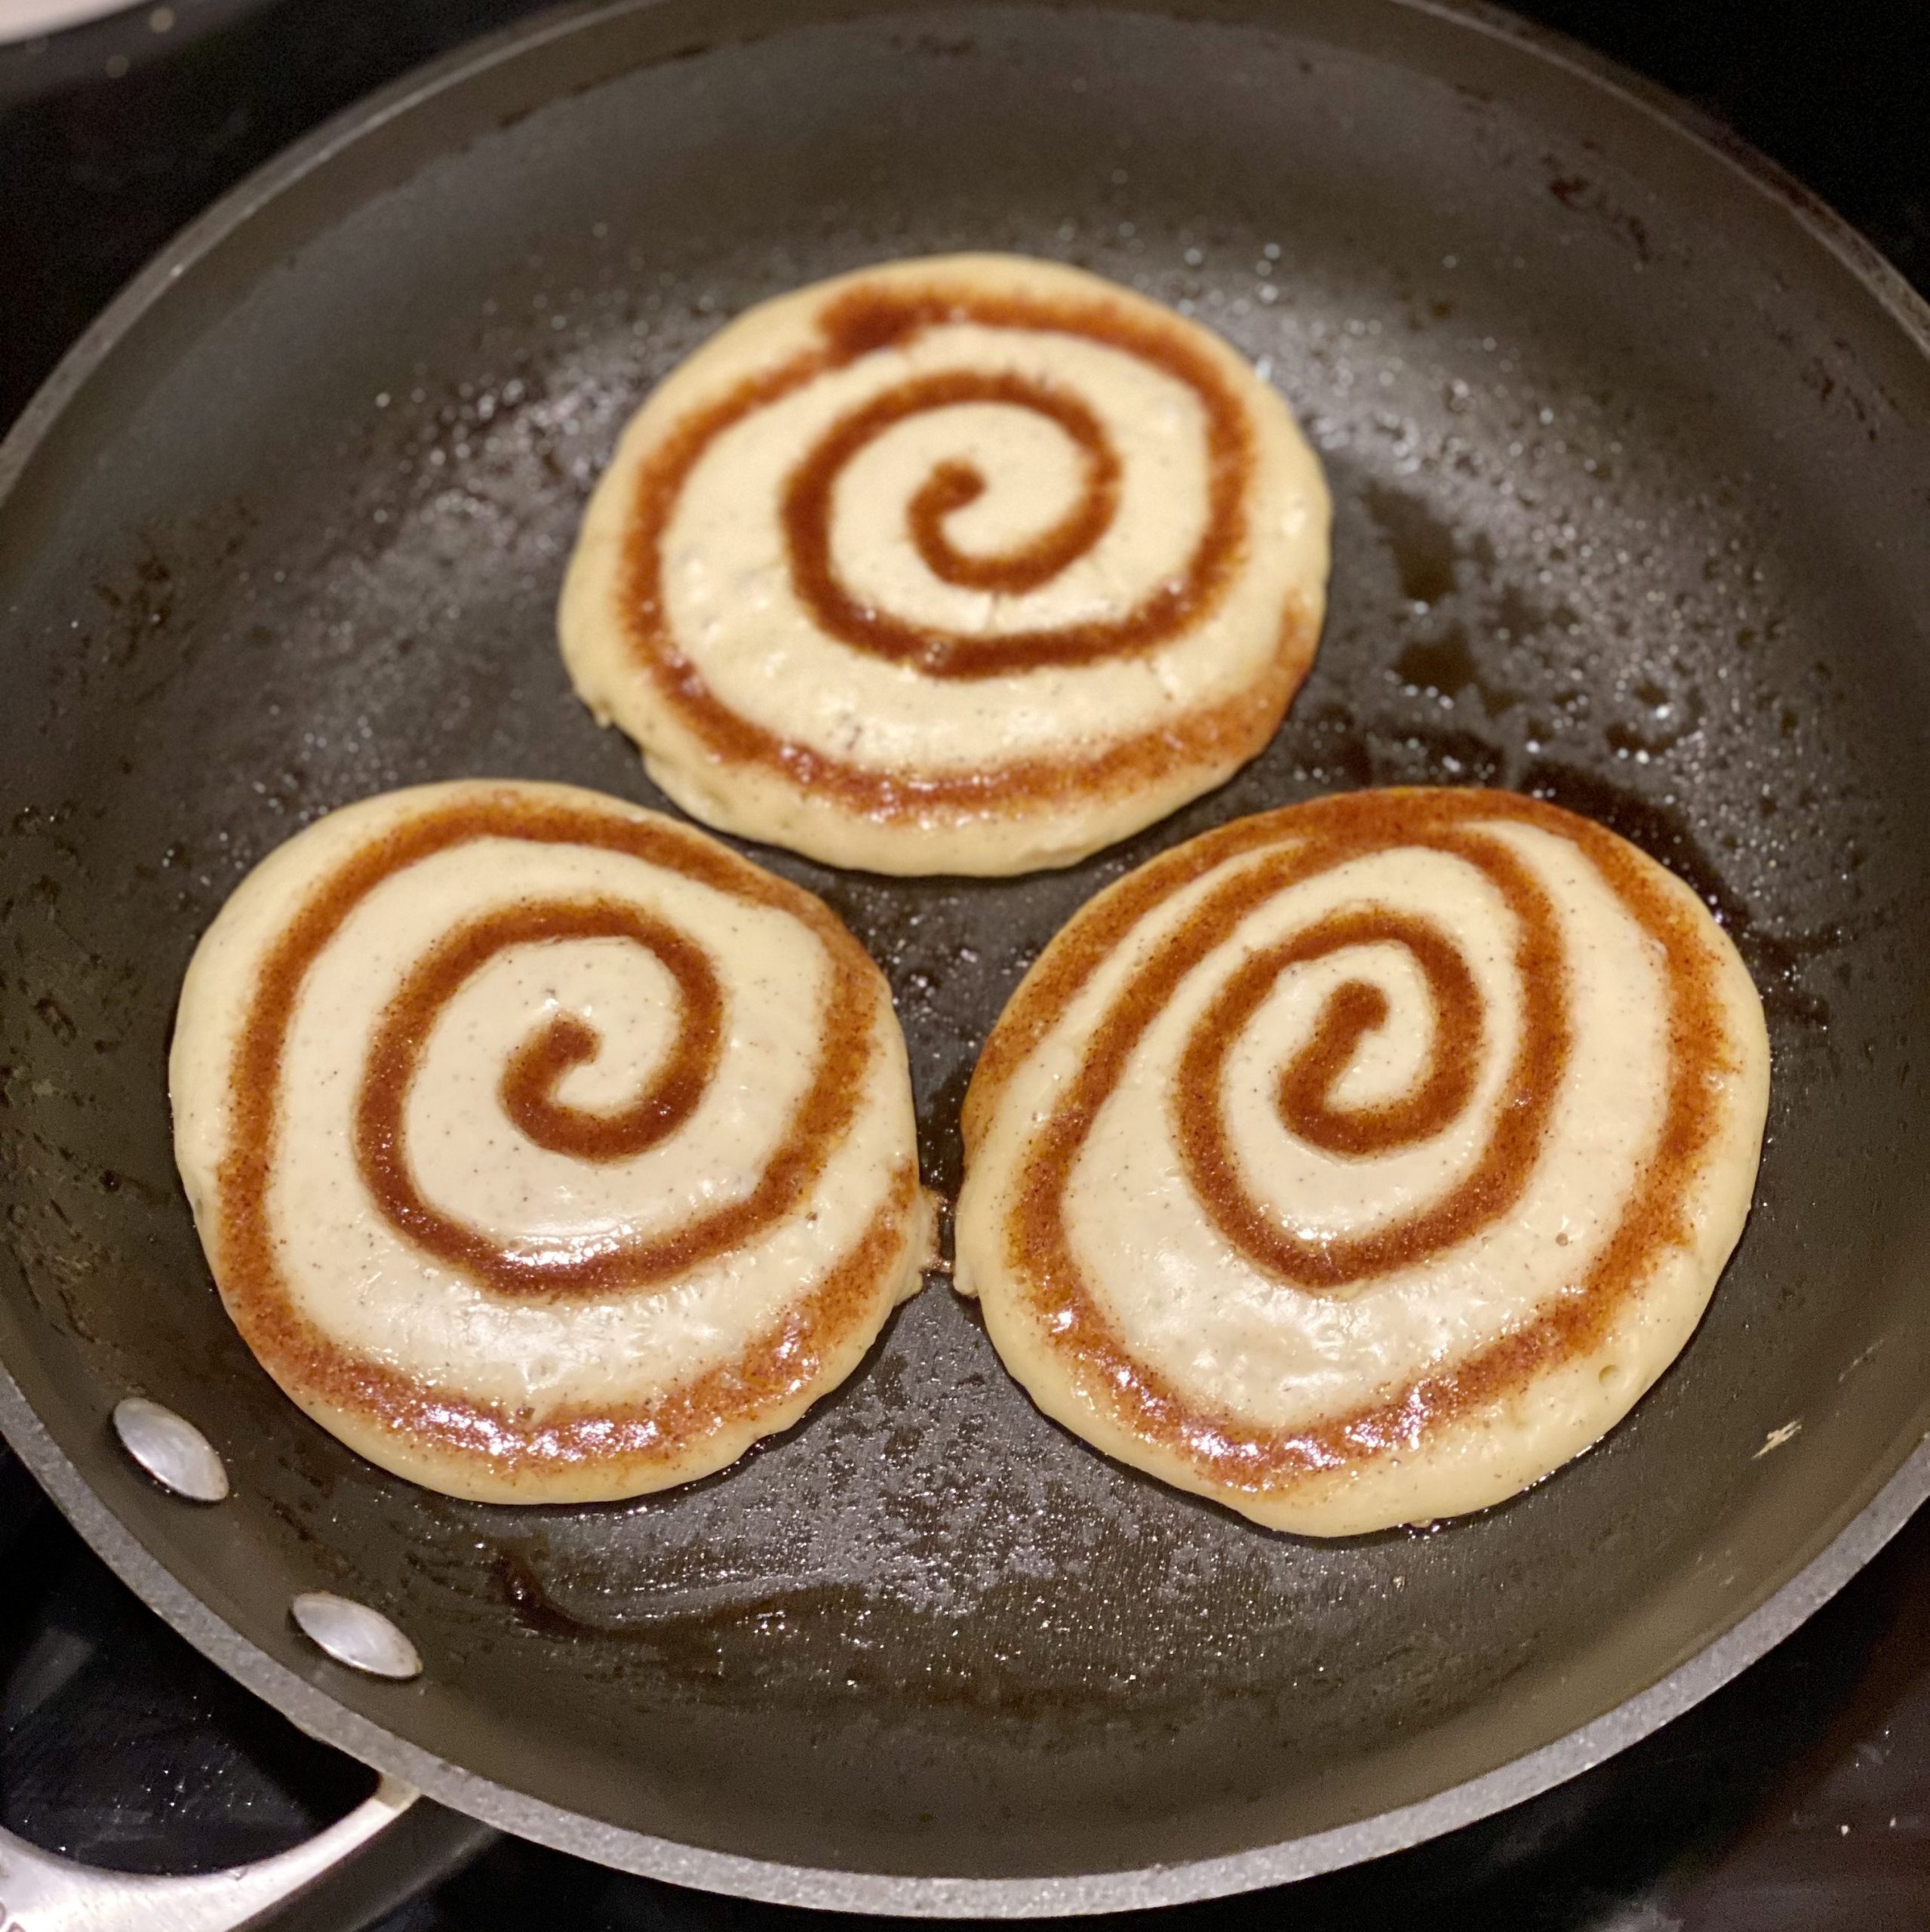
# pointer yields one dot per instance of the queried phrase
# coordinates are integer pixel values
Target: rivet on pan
(355, 1634)
(170, 1449)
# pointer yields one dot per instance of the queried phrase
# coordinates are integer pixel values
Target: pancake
(543, 1150)
(970, 565)
(1360, 1163)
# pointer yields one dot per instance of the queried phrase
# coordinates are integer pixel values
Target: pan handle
(39, 1893)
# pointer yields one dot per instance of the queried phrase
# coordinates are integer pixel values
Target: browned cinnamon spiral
(882, 571)
(542, 1147)
(1168, 609)
(528, 1093)
(1364, 1160)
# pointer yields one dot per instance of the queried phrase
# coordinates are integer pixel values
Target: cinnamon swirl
(970, 565)
(543, 1150)
(1362, 1162)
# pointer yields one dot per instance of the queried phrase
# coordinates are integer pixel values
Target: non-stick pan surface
(1629, 453)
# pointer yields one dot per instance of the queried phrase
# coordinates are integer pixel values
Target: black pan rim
(303, 1698)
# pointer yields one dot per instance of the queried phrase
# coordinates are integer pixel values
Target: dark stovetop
(1797, 1800)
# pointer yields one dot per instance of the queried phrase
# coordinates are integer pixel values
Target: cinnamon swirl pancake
(543, 1150)
(970, 565)
(1360, 1163)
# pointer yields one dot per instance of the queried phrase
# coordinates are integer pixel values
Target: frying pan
(1627, 441)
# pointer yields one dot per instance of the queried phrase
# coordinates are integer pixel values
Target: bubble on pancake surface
(1360, 1163)
(973, 564)
(543, 1150)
